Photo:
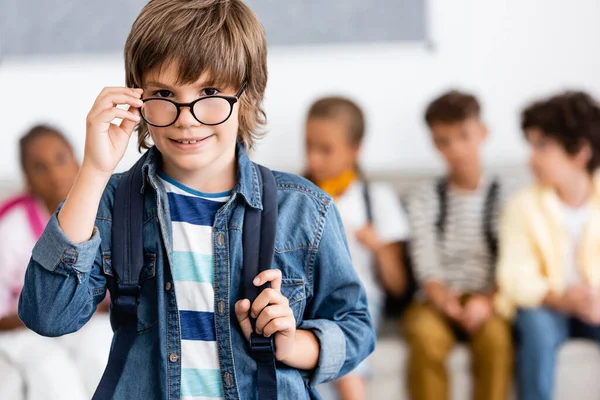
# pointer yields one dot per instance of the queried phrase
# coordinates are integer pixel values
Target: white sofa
(578, 372)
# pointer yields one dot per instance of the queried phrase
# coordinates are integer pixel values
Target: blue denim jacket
(65, 282)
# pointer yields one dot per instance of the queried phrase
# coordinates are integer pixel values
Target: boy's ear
(29, 188)
(584, 154)
(357, 149)
(484, 131)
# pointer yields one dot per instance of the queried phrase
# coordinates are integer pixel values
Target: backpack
(128, 257)
(395, 305)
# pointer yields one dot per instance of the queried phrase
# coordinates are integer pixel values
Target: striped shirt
(461, 257)
(192, 218)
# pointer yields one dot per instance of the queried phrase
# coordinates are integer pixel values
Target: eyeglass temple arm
(239, 93)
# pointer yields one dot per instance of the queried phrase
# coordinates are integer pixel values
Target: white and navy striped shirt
(192, 218)
(460, 258)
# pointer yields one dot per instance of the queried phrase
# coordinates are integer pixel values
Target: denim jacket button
(228, 378)
(220, 239)
(221, 307)
(168, 286)
(174, 357)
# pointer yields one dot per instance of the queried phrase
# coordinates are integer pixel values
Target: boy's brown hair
(452, 107)
(222, 38)
(341, 108)
(570, 118)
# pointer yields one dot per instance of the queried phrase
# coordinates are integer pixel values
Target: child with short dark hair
(453, 246)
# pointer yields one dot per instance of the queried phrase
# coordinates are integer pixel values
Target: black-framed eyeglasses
(208, 110)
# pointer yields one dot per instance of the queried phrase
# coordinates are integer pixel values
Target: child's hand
(367, 236)
(478, 311)
(272, 312)
(451, 307)
(105, 143)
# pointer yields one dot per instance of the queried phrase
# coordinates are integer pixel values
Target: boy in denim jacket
(196, 74)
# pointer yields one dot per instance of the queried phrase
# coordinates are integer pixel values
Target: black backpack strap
(491, 201)
(127, 262)
(441, 189)
(260, 226)
(367, 199)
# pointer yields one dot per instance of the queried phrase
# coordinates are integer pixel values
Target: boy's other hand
(477, 311)
(577, 300)
(272, 312)
(106, 142)
(583, 302)
(443, 299)
(451, 306)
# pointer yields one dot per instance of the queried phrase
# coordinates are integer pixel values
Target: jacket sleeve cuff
(55, 250)
(332, 353)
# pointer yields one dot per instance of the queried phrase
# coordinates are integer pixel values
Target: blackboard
(38, 27)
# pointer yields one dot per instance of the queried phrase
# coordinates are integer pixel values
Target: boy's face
(459, 143)
(328, 151)
(188, 146)
(50, 169)
(549, 161)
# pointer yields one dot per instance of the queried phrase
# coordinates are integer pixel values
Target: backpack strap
(489, 208)
(127, 262)
(491, 201)
(441, 189)
(261, 225)
(32, 210)
(367, 199)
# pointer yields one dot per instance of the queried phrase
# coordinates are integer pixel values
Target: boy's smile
(191, 143)
(194, 154)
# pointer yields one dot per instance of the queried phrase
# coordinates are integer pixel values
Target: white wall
(507, 52)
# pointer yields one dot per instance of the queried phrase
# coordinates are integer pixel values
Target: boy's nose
(186, 119)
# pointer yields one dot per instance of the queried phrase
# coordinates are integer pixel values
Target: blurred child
(49, 166)
(453, 222)
(549, 266)
(373, 218)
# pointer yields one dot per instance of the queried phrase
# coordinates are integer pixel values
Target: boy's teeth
(187, 141)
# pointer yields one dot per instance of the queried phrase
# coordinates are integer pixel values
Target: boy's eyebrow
(158, 84)
(208, 83)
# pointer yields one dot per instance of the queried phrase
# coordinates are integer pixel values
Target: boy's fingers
(129, 125)
(270, 275)
(113, 96)
(271, 313)
(109, 115)
(242, 309)
(278, 325)
(267, 296)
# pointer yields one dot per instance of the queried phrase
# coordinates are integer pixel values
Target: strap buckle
(126, 303)
(261, 348)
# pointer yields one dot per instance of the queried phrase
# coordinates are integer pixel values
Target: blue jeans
(541, 332)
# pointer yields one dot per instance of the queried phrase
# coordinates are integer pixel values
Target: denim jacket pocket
(147, 310)
(294, 291)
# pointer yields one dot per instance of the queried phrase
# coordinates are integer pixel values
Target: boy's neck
(576, 191)
(220, 176)
(466, 180)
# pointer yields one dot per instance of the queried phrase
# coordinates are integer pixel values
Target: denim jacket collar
(247, 180)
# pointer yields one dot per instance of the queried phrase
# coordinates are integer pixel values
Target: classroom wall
(507, 52)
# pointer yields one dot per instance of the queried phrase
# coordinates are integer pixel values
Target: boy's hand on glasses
(106, 142)
(272, 312)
